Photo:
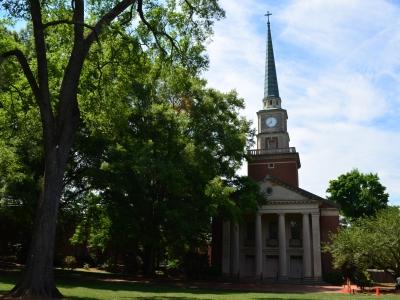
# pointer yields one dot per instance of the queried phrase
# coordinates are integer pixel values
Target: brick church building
(282, 241)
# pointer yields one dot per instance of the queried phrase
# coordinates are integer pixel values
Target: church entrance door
(249, 266)
(296, 267)
(271, 266)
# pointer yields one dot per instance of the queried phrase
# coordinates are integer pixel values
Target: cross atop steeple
(267, 15)
(271, 90)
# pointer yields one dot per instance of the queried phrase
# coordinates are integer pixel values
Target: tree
(370, 242)
(56, 94)
(152, 155)
(358, 194)
(184, 139)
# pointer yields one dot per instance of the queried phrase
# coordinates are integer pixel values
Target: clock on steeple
(271, 122)
(273, 155)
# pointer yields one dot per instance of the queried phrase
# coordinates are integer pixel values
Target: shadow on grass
(109, 282)
(9, 277)
(150, 288)
(147, 298)
(184, 298)
(122, 283)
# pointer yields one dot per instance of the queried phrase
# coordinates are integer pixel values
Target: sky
(338, 68)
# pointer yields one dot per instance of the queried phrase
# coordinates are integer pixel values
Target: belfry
(282, 240)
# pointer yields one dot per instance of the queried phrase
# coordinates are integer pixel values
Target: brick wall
(329, 224)
(283, 169)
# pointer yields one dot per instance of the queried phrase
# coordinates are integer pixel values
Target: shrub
(362, 279)
(70, 262)
(110, 266)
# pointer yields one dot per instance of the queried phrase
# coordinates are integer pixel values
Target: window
(295, 232)
(271, 165)
(268, 191)
(294, 229)
(272, 240)
(272, 143)
(273, 230)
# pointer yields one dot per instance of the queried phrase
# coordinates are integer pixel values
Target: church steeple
(273, 155)
(271, 90)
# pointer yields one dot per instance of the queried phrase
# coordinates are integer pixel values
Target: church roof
(271, 89)
(307, 194)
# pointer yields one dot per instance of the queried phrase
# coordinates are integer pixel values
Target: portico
(280, 242)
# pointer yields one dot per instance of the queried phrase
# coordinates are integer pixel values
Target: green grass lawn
(90, 286)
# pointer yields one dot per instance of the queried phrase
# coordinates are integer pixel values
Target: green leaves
(233, 198)
(372, 242)
(358, 194)
(93, 230)
(167, 156)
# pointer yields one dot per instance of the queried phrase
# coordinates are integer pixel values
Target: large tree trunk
(148, 261)
(38, 277)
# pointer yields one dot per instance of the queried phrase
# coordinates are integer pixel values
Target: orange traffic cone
(377, 291)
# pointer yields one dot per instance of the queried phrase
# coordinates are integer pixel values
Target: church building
(283, 240)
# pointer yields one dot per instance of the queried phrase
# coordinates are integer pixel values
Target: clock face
(271, 122)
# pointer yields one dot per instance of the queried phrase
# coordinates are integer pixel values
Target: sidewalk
(264, 287)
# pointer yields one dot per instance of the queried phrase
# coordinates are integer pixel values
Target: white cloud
(347, 96)
(336, 27)
(329, 150)
(338, 71)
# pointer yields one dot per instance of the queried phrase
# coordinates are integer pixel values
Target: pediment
(279, 192)
(276, 192)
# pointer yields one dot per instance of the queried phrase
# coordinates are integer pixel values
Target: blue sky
(338, 67)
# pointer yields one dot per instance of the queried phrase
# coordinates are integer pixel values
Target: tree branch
(25, 68)
(69, 22)
(155, 31)
(107, 19)
(129, 18)
(78, 19)
(191, 7)
(26, 101)
(43, 98)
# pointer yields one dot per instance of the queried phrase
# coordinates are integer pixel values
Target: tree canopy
(358, 194)
(370, 242)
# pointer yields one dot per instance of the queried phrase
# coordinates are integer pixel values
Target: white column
(306, 246)
(226, 247)
(282, 247)
(316, 245)
(259, 258)
(235, 254)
